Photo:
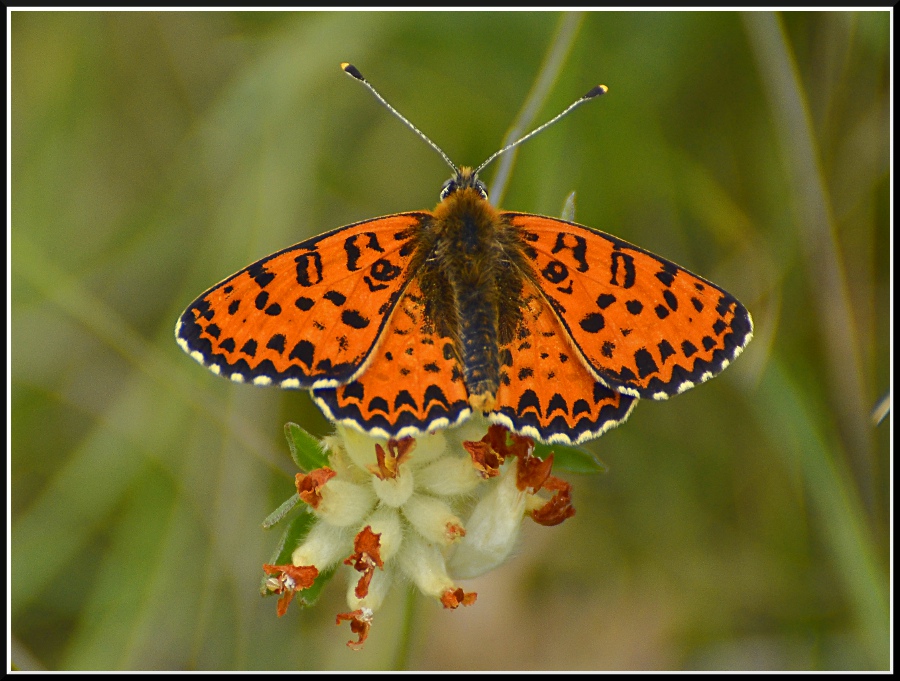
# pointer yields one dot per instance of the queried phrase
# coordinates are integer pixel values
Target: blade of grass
(818, 236)
(797, 431)
(557, 53)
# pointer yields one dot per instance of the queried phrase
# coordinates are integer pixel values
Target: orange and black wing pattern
(546, 392)
(308, 316)
(412, 384)
(646, 327)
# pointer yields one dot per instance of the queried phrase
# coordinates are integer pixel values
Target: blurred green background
(743, 525)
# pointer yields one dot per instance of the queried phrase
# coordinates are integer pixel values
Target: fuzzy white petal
(344, 503)
(449, 476)
(423, 563)
(378, 589)
(433, 519)
(324, 546)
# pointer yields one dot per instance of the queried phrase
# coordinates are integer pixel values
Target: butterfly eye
(454, 184)
(449, 187)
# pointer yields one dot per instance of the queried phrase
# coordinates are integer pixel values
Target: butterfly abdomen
(471, 262)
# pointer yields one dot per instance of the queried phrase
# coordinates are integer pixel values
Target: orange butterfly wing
(645, 326)
(546, 392)
(310, 315)
(413, 384)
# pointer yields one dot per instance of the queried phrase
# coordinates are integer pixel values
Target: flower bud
(378, 589)
(429, 447)
(492, 529)
(433, 519)
(394, 491)
(344, 503)
(423, 563)
(386, 522)
(360, 448)
(448, 476)
(324, 546)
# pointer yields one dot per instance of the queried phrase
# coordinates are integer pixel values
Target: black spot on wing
(304, 352)
(355, 390)
(354, 319)
(667, 276)
(557, 403)
(260, 275)
(581, 407)
(635, 307)
(529, 400)
(671, 300)
(335, 297)
(645, 363)
(725, 303)
(604, 300)
(626, 374)
(404, 398)
(202, 308)
(433, 393)
(276, 343)
(304, 303)
(448, 351)
(665, 350)
(378, 403)
(555, 272)
(593, 323)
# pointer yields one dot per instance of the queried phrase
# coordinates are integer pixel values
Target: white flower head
(443, 506)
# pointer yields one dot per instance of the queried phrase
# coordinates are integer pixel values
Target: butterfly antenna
(595, 92)
(351, 70)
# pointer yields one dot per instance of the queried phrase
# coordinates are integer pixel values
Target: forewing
(646, 326)
(307, 316)
(546, 392)
(413, 383)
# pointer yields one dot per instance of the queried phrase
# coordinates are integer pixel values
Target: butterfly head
(464, 178)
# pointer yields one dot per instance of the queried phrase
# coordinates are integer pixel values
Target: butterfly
(407, 323)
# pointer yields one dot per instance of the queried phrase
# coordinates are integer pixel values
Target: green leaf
(294, 535)
(306, 450)
(278, 514)
(570, 459)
